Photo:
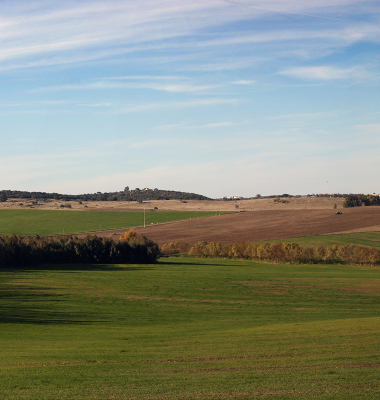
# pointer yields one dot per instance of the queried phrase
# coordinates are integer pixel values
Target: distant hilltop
(125, 195)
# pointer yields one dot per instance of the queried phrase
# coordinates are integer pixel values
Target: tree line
(32, 251)
(126, 195)
(278, 252)
(357, 200)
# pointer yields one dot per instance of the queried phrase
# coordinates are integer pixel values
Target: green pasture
(190, 329)
(51, 222)
(371, 239)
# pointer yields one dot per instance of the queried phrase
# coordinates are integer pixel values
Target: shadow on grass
(214, 264)
(33, 305)
(40, 305)
(195, 261)
(13, 315)
(83, 267)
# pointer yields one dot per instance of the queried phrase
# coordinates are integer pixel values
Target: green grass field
(50, 222)
(371, 239)
(190, 328)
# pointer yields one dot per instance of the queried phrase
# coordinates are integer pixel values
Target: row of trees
(126, 195)
(279, 252)
(31, 251)
(357, 200)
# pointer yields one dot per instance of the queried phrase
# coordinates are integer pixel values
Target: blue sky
(217, 97)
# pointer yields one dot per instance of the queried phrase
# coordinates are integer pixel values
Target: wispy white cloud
(329, 37)
(95, 105)
(43, 34)
(173, 105)
(302, 116)
(118, 84)
(243, 82)
(146, 77)
(115, 107)
(187, 126)
(35, 103)
(198, 65)
(224, 124)
(169, 127)
(325, 73)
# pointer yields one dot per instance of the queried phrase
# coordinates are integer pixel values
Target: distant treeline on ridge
(126, 195)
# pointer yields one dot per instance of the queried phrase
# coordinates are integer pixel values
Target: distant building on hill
(233, 198)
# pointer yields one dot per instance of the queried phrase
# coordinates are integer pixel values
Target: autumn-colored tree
(238, 249)
(175, 248)
(277, 252)
(251, 251)
(129, 236)
(308, 254)
(214, 249)
(263, 252)
(199, 249)
(331, 255)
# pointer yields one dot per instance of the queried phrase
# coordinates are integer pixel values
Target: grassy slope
(190, 328)
(371, 239)
(48, 222)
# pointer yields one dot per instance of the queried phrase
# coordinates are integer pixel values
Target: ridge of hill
(126, 195)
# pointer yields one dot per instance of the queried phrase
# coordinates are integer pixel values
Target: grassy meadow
(51, 222)
(190, 328)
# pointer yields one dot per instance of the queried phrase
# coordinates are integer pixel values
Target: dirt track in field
(263, 225)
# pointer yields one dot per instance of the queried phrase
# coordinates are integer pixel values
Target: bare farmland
(252, 226)
(252, 220)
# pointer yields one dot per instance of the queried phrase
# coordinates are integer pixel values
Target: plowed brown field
(264, 225)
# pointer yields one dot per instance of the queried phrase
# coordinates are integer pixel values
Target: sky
(215, 97)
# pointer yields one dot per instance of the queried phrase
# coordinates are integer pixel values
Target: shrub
(176, 247)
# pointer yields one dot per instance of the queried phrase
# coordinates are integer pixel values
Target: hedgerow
(28, 251)
(279, 252)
